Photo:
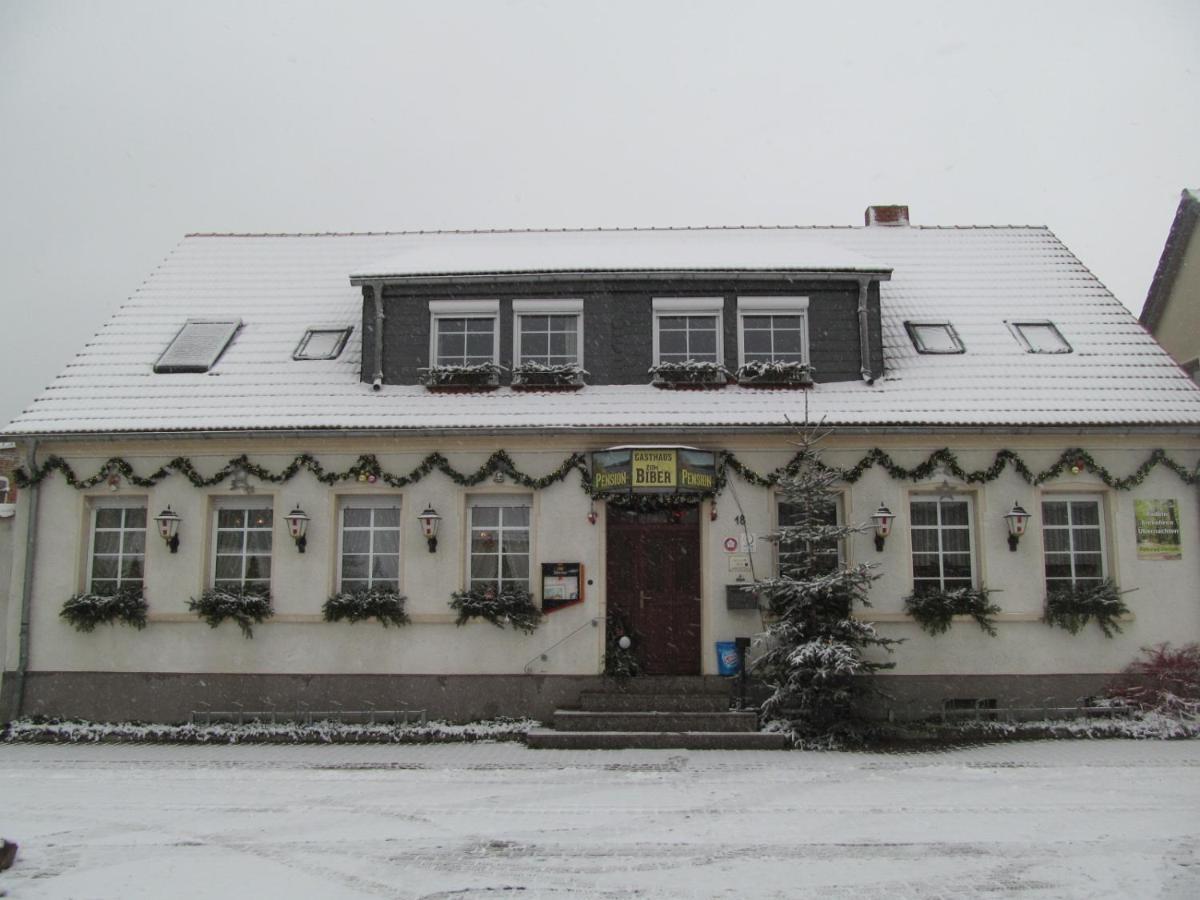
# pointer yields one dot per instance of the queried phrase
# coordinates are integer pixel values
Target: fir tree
(814, 655)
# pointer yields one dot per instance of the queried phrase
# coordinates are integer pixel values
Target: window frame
(462, 309)
(1101, 528)
(248, 502)
(557, 307)
(972, 542)
(122, 503)
(502, 501)
(773, 307)
(1016, 327)
(300, 352)
(839, 511)
(369, 501)
(911, 327)
(689, 307)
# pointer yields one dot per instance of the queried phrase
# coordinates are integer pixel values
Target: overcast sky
(125, 125)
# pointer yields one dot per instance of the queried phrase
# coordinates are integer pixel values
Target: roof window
(198, 345)
(934, 337)
(1039, 337)
(322, 343)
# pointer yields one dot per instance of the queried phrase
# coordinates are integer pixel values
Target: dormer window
(772, 330)
(197, 346)
(934, 337)
(463, 332)
(688, 328)
(322, 343)
(548, 332)
(1039, 337)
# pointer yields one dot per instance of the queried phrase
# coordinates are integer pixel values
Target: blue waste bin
(727, 658)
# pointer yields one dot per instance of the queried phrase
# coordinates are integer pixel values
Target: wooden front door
(653, 576)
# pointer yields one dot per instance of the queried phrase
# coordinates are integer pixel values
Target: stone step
(575, 720)
(620, 701)
(671, 684)
(548, 739)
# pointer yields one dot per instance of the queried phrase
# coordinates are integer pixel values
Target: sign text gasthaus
(654, 470)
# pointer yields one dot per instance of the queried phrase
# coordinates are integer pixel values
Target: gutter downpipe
(18, 694)
(864, 331)
(377, 296)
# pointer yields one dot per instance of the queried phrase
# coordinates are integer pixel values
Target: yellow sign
(654, 469)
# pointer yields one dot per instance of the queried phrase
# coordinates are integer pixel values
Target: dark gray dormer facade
(618, 318)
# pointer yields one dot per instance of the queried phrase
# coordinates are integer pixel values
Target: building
(1172, 308)
(967, 373)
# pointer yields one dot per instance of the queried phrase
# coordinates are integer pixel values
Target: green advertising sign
(1157, 529)
(654, 470)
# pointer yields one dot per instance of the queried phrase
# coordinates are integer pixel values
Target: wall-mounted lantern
(592, 515)
(883, 518)
(168, 528)
(430, 521)
(1017, 520)
(297, 521)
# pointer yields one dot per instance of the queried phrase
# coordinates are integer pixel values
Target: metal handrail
(545, 654)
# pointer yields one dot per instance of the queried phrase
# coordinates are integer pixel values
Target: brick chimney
(887, 215)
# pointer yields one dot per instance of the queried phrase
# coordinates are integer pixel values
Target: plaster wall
(298, 642)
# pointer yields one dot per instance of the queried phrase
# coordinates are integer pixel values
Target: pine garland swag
(87, 610)
(934, 610)
(242, 606)
(1073, 607)
(371, 603)
(368, 468)
(512, 606)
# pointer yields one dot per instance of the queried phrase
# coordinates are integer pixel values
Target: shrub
(934, 609)
(512, 606)
(242, 606)
(1073, 607)
(87, 610)
(369, 603)
(1166, 679)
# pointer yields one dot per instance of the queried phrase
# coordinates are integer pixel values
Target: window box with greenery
(385, 606)
(243, 605)
(934, 609)
(532, 376)
(462, 378)
(775, 375)
(124, 605)
(690, 374)
(510, 605)
(1072, 606)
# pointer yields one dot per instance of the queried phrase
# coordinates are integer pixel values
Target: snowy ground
(1091, 819)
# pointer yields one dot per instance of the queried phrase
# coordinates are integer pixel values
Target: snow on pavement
(1094, 819)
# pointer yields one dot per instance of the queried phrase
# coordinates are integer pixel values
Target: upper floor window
(772, 329)
(499, 544)
(688, 328)
(463, 332)
(942, 548)
(243, 529)
(118, 557)
(369, 554)
(1039, 337)
(548, 332)
(934, 337)
(1073, 537)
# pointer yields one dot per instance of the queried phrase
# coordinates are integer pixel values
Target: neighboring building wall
(1172, 310)
(296, 660)
(8, 535)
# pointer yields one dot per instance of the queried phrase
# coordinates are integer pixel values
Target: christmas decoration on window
(934, 610)
(532, 376)
(125, 605)
(690, 373)
(242, 606)
(386, 607)
(454, 379)
(775, 374)
(511, 606)
(1073, 607)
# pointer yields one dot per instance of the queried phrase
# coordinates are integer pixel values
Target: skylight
(197, 346)
(1039, 337)
(322, 343)
(934, 337)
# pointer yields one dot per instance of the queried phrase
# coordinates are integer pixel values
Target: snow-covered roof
(611, 250)
(280, 285)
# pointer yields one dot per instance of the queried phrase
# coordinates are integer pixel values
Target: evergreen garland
(512, 606)
(1073, 607)
(243, 606)
(87, 610)
(933, 610)
(369, 603)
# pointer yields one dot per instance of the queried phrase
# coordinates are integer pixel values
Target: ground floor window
(118, 557)
(499, 541)
(1072, 535)
(243, 532)
(815, 557)
(942, 549)
(369, 556)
